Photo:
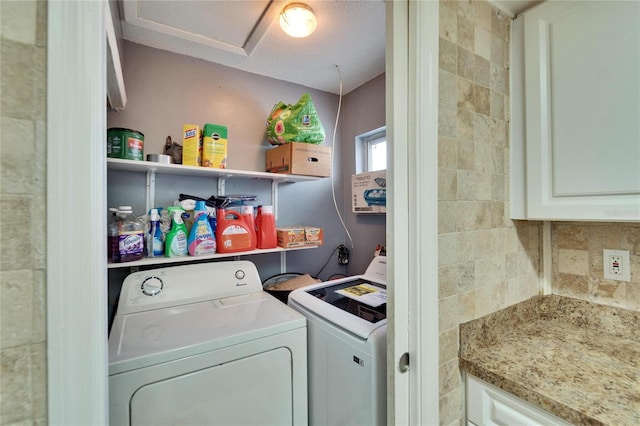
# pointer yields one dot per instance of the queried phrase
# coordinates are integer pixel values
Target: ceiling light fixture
(298, 20)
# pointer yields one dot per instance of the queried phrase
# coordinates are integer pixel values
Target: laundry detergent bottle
(247, 215)
(201, 238)
(176, 241)
(233, 234)
(266, 224)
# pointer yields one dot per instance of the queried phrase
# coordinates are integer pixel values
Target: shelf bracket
(222, 182)
(283, 262)
(274, 198)
(151, 189)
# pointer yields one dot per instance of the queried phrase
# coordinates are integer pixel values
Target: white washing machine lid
(308, 299)
(141, 339)
(329, 301)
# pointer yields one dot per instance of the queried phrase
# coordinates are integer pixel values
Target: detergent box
(300, 158)
(191, 145)
(214, 146)
(369, 192)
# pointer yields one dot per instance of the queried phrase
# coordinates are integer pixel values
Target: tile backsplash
(23, 358)
(486, 260)
(578, 262)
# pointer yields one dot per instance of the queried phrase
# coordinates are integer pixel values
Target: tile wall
(23, 388)
(486, 260)
(578, 262)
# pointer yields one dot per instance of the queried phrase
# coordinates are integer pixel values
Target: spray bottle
(176, 241)
(155, 237)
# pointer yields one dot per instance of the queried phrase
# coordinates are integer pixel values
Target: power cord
(327, 262)
(333, 191)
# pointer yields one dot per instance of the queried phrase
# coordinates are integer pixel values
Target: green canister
(125, 143)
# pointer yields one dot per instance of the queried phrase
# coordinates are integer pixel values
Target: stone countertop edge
(485, 332)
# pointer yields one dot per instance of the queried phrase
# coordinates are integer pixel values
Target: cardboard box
(369, 192)
(299, 236)
(214, 146)
(300, 159)
(312, 234)
(191, 145)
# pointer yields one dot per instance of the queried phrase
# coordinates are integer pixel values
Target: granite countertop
(575, 359)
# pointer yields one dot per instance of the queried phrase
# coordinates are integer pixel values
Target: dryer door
(256, 390)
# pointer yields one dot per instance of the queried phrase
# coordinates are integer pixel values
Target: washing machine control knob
(152, 286)
(239, 274)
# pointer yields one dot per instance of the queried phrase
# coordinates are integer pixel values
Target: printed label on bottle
(157, 247)
(131, 243)
(235, 229)
(236, 237)
(204, 247)
(179, 244)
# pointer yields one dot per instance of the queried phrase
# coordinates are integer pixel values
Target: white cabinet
(151, 169)
(575, 78)
(488, 405)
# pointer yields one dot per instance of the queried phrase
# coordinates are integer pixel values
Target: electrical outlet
(616, 265)
(343, 255)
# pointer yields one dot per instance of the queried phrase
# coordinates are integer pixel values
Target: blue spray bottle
(155, 237)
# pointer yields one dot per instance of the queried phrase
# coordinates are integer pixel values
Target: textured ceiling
(246, 35)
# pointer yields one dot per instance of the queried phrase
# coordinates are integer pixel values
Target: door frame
(77, 360)
(412, 219)
(76, 272)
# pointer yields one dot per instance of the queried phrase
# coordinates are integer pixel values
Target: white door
(412, 128)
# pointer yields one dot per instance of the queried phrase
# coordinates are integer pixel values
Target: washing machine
(347, 336)
(205, 345)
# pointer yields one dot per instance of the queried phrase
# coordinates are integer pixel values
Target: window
(371, 151)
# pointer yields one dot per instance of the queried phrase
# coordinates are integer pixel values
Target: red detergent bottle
(266, 224)
(247, 215)
(232, 233)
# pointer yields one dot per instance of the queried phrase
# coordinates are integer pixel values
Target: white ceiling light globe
(298, 20)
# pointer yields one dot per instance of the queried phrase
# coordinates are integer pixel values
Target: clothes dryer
(347, 335)
(205, 345)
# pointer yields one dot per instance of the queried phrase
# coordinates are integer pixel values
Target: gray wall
(167, 90)
(363, 111)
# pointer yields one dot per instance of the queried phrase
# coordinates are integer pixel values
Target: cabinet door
(582, 110)
(488, 405)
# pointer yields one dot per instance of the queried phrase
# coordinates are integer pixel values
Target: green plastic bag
(295, 123)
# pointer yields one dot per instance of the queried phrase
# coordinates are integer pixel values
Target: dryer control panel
(178, 285)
